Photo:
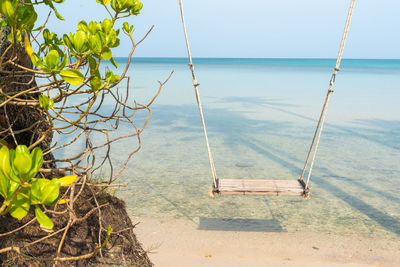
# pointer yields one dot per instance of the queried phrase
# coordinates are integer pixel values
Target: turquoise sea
(261, 115)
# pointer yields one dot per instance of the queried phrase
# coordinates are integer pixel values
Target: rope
(318, 130)
(196, 90)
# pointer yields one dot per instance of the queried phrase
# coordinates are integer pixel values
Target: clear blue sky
(254, 28)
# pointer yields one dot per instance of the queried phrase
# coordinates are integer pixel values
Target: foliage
(20, 188)
(69, 101)
(71, 64)
(91, 42)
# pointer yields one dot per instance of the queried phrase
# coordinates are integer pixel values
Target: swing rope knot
(307, 194)
(332, 81)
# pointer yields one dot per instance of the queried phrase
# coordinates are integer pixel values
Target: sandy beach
(178, 243)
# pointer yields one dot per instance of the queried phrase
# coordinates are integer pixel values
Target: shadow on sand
(240, 225)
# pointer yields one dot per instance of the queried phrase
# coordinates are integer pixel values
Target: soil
(122, 249)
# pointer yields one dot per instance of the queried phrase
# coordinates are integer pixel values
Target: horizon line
(315, 58)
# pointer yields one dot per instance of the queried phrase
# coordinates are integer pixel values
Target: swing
(269, 187)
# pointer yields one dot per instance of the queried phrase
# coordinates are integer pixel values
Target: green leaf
(63, 201)
(126, 27)
(106, 25)
(37, 161)
(38, 28)
(57, 14)
(124, 3)
(26, 17)
(28, 47)
(45, 102)
(11, 189)
(45, 192)
(113, 62)
(4, 183)
(20, 207)
(7, 8)
(43, 219)
(95, 43)
(13, 176)
(106, 53)
(82, 25)
(115, 5)
(37, 61)
(93, 27)
(92, 64)
(50, 4)
(115, 43)
(46, 35)
(50, 193)
(111, 78)
(72, 76)
(51, 60)
(137, 6)
(103, 2)
(80, 40)
(63, 63)
(22, 161)
(3, 23)
(111, 38)
(67, 180)
(17, 34)
(5, 166)
(102, 38)
(22, 149)
(96, 83)
(67, 41)
(36, 189)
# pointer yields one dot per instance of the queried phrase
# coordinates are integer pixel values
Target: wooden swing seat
(260, 187)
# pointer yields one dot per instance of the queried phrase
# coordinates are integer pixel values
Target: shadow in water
(390, 223)
(171, 202)
(268, 151)
(385, 132)
(240, 225)
(223, 121)
(368, 188)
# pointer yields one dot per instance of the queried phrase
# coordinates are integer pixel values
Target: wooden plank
(260, 187)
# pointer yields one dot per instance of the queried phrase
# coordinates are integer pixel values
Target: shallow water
(260, 116)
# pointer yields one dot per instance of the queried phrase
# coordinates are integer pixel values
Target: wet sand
(178, 243)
